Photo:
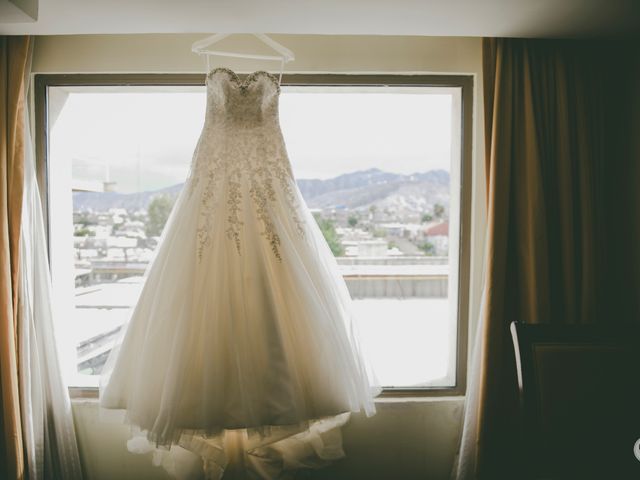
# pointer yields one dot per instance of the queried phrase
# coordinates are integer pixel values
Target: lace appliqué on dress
(255, 157)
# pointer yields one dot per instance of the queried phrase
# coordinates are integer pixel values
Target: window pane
(378, 167)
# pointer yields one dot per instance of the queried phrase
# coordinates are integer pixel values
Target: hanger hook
(282, 61)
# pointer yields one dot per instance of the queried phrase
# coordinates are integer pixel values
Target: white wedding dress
(241, 354)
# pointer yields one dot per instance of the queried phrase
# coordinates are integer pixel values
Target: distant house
(394, 229)
(372, 248)
(438, 236)
(437, 230)
(405, 230)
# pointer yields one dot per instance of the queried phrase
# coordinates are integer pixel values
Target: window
(381, 161)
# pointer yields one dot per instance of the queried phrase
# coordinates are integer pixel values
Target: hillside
(355, 190)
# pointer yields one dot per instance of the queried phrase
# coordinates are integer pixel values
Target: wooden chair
(580, 400)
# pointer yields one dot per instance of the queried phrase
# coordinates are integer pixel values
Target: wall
(408, 438)
(404, 440)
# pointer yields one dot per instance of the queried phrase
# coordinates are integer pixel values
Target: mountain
(367, 178)
(362, 189)
(103, 201)
(355, 190)
(313, 187)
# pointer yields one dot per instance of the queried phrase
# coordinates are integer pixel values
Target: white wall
(407, 439)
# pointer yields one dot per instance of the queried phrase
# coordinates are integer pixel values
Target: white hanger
(286, 55)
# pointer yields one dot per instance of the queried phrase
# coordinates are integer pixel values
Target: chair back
(580, 400)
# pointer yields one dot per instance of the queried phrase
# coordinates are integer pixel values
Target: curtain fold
(553, 116)
(14, 59)
(38, 438)
(47, 421)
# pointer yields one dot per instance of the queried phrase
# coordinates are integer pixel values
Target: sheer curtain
(47, 422)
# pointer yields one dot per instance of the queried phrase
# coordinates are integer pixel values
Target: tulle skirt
(237, 343)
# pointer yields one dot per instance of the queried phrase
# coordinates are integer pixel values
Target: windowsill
(418, 399)
(90, 394)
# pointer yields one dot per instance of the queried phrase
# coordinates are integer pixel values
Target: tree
(438, 210)
(85, 219)
(353, 221)
(428, 248)
(426, 217)
(158, 214)
(328, 229)
(83, 232)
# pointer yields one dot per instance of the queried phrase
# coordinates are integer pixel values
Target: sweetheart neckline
(248, 79)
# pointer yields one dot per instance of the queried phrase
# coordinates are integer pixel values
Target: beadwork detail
(248, 79)
(241, 151)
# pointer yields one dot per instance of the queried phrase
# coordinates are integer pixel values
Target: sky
(145, 140)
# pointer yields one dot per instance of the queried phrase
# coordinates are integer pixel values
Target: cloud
(146, 140)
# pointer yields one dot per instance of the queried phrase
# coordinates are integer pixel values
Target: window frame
(42, 82)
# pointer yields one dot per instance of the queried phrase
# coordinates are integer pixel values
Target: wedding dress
(242, 348)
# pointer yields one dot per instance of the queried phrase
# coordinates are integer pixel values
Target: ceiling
(508, 18)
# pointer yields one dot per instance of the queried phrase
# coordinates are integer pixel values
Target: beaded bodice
(240, 157)
(242, 104)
